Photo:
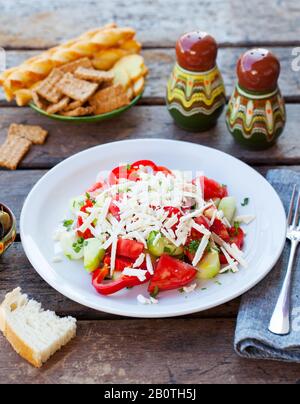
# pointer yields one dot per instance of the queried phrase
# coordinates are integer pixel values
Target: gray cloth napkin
(252, 338)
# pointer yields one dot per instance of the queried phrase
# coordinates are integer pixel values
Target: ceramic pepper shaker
(256, 114)
(196, 92)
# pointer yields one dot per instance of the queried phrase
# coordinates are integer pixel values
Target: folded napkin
(252, 338)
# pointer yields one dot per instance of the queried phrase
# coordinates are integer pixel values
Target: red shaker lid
(197, 51)
(258, 70)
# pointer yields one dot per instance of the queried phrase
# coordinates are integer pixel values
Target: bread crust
(21, 348)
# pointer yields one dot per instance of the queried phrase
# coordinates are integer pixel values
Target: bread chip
(23, 97)
(38, 101)
(48, 89)
(97, 76)
(73, 66)
(73, 105)
(133, 64)
(130, 93)
(35, 134)
(81, 111)
(13, 151)
(121, 76)
(109, 99)
(60, 106)
(79, 90)
(139, 86)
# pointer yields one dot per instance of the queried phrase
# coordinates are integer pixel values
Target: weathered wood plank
(159, 23)
(160, 62)
(15, 270)
(144, 122)
(173, 351)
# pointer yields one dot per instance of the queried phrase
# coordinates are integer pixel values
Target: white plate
(48, 203)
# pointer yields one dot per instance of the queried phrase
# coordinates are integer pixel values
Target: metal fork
(280, 322)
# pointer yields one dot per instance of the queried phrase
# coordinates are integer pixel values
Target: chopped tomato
(188, 250)
(144, 163)
(87, 234)
(201, 221)
(220, 229)
(96, 186)
(114, 210)
(212, 189)
(129, 248)
(122, 172)
(236, 237)
(173, 212)
(122, 283)
(122, 263)
(171, 273)
(165, 170)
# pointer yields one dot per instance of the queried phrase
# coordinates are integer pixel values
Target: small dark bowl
(10, 237)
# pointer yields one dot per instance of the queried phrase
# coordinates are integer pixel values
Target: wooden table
(193, 349)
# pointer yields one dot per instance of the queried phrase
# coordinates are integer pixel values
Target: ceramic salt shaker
(196, 92)
(256, 113)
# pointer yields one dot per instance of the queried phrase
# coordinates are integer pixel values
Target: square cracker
(73, 105)
(40, 103)
(48, 89)
(109, 99)
(81, 111)
(60, 106)
(78, 90)
(13, 151)
(73, 66)
(34, 134)
(97, 76)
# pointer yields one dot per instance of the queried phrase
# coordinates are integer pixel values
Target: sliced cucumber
(171, 249)
(228, 206)
(217, 202)
(93, 254)
(162, 246)
(68, 240)
(209, 267)
(158, 248)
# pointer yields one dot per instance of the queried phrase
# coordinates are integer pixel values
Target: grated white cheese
(190, 289)
(202, 229)
(113, 255)
(140, 260)
(149, 264)
(146, 301)
(231, 262)
(200, 250)
(138, 273)
(246, 219)
(234, 252)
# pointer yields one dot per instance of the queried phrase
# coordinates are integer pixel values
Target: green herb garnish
(245, 202)
(88, 196)
(77, 247)
(128, 167)
(68, 224)
(155, 293)
(218, 283)
(193, 246)
(181, 290)
(236, 226)
(204, 289)
(167, 250)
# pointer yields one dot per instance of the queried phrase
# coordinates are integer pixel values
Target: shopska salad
(148, 224)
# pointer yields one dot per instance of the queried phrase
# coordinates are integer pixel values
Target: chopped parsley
(128, 167)
(181, 290)
(167, 250)
(155, 293)
(245, 202)
(88, 196)
(68, 224)
(77, 247)
(204, 289)
(218, 283)
(236, 226)
(193, 246)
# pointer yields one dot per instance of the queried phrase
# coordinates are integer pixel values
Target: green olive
(5, 223)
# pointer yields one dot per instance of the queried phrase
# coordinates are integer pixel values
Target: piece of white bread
(35, 334)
